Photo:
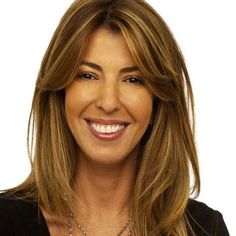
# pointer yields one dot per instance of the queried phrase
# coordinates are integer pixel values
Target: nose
(108, 97)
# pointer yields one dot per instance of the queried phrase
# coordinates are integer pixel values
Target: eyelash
(131, 80)
(84, 76)
(134, 80)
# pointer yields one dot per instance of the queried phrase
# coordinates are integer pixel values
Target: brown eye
(86, 76)
(134, 80)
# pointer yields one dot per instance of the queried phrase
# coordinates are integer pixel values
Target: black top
(24, 218)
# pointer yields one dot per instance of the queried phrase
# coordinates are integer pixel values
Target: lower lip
(106, 136)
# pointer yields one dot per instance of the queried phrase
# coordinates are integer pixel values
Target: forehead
(106, 45)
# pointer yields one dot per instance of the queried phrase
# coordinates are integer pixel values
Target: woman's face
(108, 108)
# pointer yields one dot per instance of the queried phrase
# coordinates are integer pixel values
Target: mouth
(106, 130)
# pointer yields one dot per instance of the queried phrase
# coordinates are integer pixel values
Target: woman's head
(149, 40)
(167, 147)
(108, 105)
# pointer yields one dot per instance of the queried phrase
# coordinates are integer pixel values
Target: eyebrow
(99, 68)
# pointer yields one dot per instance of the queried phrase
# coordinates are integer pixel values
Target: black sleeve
(219, 226)
(20, 216)
(5, 223)
(205, 221)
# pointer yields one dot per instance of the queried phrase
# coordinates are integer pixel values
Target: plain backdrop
(205, 31)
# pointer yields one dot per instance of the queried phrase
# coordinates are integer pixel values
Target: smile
(106, 130)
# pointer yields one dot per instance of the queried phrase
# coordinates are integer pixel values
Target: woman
(112, 143)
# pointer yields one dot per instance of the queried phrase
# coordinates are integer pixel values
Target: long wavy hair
(168, 154)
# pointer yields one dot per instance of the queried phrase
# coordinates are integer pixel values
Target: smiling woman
(106, 102)
(113, 145)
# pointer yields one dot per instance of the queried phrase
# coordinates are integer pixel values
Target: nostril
(108, 105)
(108, 98)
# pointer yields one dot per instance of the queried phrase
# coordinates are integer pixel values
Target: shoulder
(205, 220)
(17, 205)
(17, 214)
(9, 198)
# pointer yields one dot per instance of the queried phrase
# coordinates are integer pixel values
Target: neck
(104, 190)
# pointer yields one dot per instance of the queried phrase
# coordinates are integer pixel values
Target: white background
(205, 31)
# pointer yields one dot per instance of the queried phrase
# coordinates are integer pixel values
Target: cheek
(70, 103)
(140, 105)
(76, 99)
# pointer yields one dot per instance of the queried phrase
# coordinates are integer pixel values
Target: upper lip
(105, 121)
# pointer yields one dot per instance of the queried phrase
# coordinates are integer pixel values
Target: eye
(134, 80)
(86, 76)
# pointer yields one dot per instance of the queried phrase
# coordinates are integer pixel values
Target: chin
(105, 159)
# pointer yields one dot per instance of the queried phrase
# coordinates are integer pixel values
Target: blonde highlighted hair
(168, 152)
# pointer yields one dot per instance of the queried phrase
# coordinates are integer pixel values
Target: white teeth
(107, 128)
